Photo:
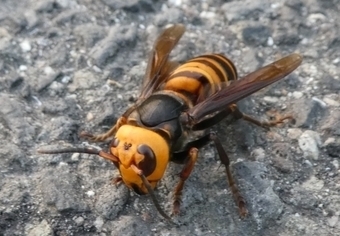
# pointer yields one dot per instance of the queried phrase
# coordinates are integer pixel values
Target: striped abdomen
(201, 76)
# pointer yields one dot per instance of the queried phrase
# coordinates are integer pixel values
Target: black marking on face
(127, 146)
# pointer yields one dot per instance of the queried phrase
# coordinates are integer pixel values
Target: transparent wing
(158, 65)
(244, 87)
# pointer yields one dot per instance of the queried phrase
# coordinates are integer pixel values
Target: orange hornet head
(141, 156)
(144, 149)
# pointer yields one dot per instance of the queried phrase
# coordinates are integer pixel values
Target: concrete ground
(68, 66)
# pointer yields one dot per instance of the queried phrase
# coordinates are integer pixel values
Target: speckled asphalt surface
(68, 66)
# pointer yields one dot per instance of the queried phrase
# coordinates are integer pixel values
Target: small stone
(270, 100)
(89, 116)
(31, 18)
(169, 16)
(331, 102)
(307, 162)
(96, 69)
(282, 164)
(316, 17)
(79, 220)
(207, 14)
(66, 3)
(333, 221)
(307, 112)
(48, 70)
(332, 146)
(335, 163)
(331, 125)
(124, 224)
(75, 157)
(258, 154)
(45, 6)
(336, 60)
(309, 143)
(320, 102)
(4, 33)
(108, 47)
(297, 94)
(43, 228)
(270, 41)
(98, 223)
(66, 79)
(294, 133)
(89, 34)
(25, 46)
(90, 193)
(130, 5)
(22, 68)
(282, 37)
(175, 2)
(236, 11)
(83, 79)
(46, 80)
(256, 35)
(313, 184)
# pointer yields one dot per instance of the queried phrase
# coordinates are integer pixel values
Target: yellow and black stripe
(201, 76)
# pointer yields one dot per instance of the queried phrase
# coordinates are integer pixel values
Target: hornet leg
(225, 161)
(187, 169)
(105, 136)
(237, 114)
(117, 180)
(265, 124)
(221, 152)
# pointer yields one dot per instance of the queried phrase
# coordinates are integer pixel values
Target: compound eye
(114, 142)
(148, 164)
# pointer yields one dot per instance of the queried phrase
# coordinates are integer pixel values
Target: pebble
(307, 162)
(308, 112)
(313, 184)
(75, 157)
(66, 79)
(49, 70)
(332, 221)
(256, 35)
(332, 146)
(320, 102)
(25, 46)
(316, 17)
(271, 100)
(335, 163)
(22, 68)
(336, 60)
(90, 193)
(66, 3)
(109, 46)
(258, 154)
(235, 10)
(175, 2)
(207, 14)
(270, 41)
(294, 133)
(98, 223)
(89, 116)
(43, 229)
(309, 143)
(297, 94)
(79, 220)
(331, 102)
